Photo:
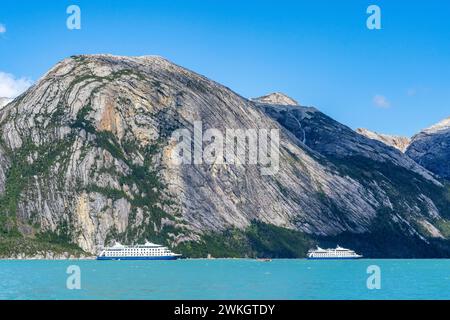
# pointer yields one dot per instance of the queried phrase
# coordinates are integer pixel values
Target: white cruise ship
(338, 253)
(147, 251)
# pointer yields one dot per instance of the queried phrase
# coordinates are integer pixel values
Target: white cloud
(11, 87)
(381, 101)
(2, 28)
(4, 101)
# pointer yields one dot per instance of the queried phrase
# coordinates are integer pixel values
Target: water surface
(225, 279)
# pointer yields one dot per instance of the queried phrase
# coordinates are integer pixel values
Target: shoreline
(94, 258)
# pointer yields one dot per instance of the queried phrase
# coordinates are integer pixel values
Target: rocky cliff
(85, 160)
(431, 148)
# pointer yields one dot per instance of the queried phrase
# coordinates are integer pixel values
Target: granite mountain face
(431, 148)
(84, 162)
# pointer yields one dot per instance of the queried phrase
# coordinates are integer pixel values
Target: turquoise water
(225, 279)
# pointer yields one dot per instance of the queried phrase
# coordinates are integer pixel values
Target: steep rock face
(404, 192)
(398, 142)
(431, 148)
(92, 136)
(85, 158)
(331, 138)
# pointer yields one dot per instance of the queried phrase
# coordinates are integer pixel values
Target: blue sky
(395, 80)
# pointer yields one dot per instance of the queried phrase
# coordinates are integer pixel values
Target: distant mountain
(398, 142)
(83, 162)
(431, 148)
(277, 98)
(396, 181)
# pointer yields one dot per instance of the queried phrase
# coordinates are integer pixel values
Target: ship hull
(139, 258)
(334, 258)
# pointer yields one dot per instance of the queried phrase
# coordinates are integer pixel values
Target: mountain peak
(118, 57)
(277, 98)
(122, 61)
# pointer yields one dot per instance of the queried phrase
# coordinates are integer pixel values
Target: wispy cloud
(381, 101)
(411, 92)
(2, 28)
(418, 91)
(11, 87)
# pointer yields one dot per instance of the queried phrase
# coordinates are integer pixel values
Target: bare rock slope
(84, 160)
(431, 148)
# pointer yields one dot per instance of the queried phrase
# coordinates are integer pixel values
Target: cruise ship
(338, 253)
(147, 251)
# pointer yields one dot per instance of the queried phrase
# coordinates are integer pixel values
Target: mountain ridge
(399, 142)
(276, 98)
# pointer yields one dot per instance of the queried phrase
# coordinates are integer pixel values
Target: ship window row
(145, 254)
(127, 251)
(138, 251)
(134, 250)
(330, 254)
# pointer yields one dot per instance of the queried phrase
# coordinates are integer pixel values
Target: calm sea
(225, 279)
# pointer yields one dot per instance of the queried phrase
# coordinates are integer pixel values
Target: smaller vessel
(147, 251)
(337, 253)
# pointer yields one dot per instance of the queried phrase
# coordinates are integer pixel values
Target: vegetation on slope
(21, 246)
(257, 241)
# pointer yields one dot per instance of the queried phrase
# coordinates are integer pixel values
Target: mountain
(402, 190)
(398, 142)
(431, 148)
(85, 160)
(276, 98)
